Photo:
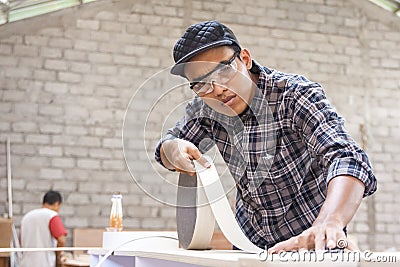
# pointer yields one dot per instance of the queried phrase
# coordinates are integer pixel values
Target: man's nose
(218, 89)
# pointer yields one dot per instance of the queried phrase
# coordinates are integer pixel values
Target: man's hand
(177, 154)
(342, 201)
(321, 236)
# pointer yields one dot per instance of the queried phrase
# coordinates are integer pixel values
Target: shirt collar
(259, 103)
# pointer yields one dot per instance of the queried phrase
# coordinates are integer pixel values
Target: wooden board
(87, 237)
(6, 234)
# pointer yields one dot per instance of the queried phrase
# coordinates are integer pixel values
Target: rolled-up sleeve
(327, 139)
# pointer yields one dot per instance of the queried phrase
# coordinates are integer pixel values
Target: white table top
(233, 258)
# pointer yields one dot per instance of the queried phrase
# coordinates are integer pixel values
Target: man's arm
(61, 241)
(60, 254)
(342, 201)
(348, 172)
(58, 231)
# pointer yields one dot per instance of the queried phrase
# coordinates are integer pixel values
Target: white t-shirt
(35, 233)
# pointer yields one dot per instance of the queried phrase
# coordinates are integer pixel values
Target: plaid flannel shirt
(280, 187)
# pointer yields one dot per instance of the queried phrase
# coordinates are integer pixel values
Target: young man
(43, 228)
(304, 194)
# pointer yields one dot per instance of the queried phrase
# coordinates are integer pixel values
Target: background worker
(43, 228)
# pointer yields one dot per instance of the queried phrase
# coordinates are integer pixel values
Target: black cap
(198, 38)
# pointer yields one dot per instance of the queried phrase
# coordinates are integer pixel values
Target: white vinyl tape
(210, 181)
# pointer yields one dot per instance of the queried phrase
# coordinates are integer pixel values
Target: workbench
(220, 258)
(166, 252)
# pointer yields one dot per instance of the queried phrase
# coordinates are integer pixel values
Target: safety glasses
(222, 74)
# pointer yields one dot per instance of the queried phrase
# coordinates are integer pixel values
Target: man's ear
(245, 56)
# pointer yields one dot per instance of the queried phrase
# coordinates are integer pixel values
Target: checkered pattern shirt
(282, 154)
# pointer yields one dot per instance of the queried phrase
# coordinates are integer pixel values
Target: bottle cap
(117, 195)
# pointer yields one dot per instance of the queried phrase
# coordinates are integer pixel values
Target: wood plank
(6, 232)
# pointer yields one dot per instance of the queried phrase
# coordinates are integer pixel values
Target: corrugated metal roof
(391, 5)
(13, 10)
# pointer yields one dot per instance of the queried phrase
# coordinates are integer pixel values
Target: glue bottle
(116, 213)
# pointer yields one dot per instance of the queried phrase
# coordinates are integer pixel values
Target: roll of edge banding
(195, 225)
(195, 221)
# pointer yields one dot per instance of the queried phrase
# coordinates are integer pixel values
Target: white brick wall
(64, 88)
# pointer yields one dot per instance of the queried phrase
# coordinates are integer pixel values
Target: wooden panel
(6, 233)
(4, 261)
(87, 237)
(5, 240)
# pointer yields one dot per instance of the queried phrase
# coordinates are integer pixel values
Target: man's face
(221, 78)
